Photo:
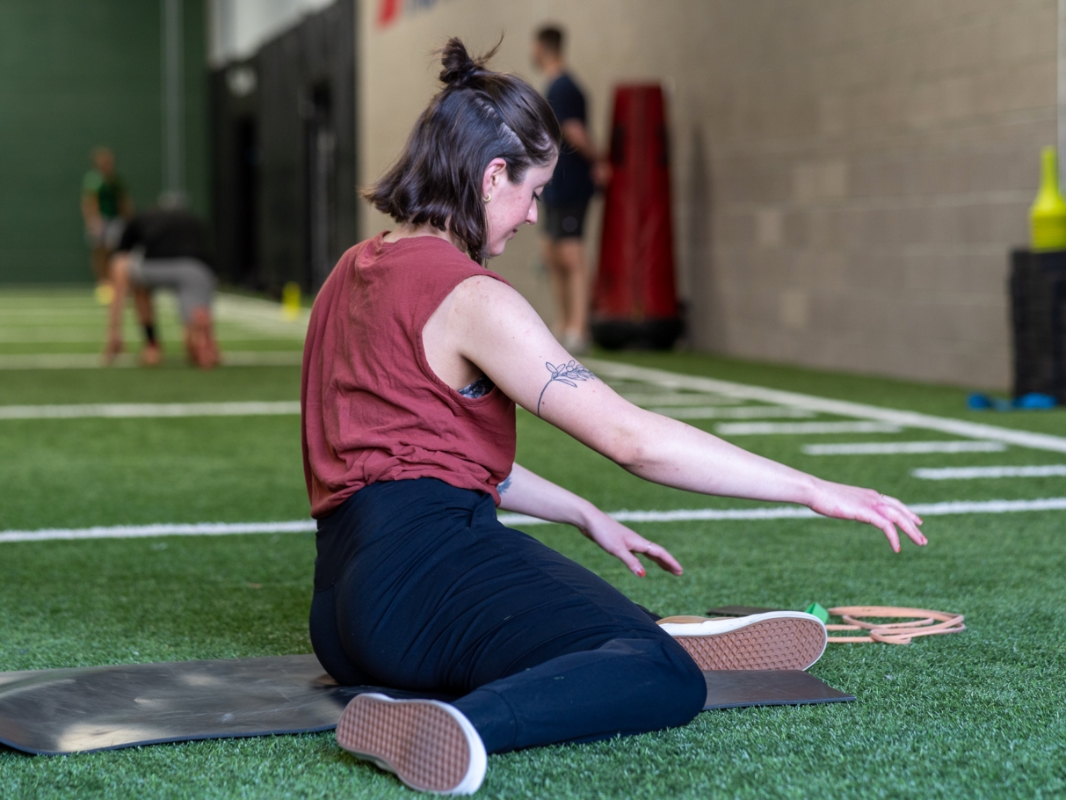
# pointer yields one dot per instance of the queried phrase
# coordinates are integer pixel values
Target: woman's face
(511, 204)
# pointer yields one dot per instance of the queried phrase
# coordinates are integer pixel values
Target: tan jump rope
(917, 622)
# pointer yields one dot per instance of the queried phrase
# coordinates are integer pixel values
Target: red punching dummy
(634, 303)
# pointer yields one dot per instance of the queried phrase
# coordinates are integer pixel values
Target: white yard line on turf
(891, 448)
(825, 405)
(50, 335)
(679, 515)
(731, 412)
(672, 399)
(162, 529)
(768, 428)
(234, 358)
(971, 473)
(131, 410)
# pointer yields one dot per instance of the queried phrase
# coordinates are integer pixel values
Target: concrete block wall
(872, 165)
(849, 175)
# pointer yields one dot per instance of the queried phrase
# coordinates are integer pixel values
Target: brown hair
(479, 115)
(551, 39)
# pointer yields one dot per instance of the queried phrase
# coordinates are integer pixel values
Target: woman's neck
(413, 231)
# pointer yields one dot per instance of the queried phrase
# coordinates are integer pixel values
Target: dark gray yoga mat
(84, 709)
(737, 688)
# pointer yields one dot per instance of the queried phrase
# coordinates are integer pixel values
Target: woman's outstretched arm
(492, 326)
(528, 493)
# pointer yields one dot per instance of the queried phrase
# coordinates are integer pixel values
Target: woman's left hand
(622, 543)
(865, 505)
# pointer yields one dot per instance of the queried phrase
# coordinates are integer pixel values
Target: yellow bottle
(290, 299)
(1047, 216)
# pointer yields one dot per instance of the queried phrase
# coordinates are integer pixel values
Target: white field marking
(31, 315)
(230, 358)
(949, 508)
(261, 316)
(262, 358)
(163, 529)
(678, 515)
(672, 399)
(891, 448)
(970, 473)
(131, 410)
(50, 334)
(734, 412)
(254, 315)
(764, 428)
(825, 405)
(227, 331)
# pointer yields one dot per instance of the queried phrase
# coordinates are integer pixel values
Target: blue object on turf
(1034, 401)
(983, 402)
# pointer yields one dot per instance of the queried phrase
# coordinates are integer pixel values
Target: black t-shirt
(167, 234)
(571, 184)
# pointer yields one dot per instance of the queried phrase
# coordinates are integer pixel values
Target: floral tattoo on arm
(505, 484)
(570, 373)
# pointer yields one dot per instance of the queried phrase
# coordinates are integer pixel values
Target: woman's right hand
(624, 543)
(841, 501)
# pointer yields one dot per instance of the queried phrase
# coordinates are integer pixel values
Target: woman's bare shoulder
(487, 286)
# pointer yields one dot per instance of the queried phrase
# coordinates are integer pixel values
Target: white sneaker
(429, 745)
(774, 640)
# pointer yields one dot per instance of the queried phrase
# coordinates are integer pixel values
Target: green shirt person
(105, 203)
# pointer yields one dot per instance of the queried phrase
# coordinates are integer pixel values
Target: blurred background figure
(166, 247)
(105, 205)
(566, 198)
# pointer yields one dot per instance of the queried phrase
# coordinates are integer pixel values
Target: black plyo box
(1038, 320)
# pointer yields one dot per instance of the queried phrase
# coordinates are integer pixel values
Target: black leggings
(419, 587)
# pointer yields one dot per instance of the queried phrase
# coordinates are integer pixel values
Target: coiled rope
(919, 622)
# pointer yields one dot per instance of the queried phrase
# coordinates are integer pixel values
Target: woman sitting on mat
(415, 358)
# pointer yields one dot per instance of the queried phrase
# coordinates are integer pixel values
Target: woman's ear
(494, 172)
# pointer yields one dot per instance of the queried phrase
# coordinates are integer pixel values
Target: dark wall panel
(292, 73)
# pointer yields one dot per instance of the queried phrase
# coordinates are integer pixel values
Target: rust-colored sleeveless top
(373, 410)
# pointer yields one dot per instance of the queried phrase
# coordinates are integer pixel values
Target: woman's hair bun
(460, 68)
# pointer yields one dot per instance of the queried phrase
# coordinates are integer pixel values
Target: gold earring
(487, 197)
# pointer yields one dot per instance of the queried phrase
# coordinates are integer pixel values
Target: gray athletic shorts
(110, 234)
(189, 277)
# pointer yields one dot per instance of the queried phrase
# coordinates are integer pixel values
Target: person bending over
(164, 248)
(415, 357)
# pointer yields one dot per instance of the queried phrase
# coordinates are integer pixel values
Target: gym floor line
(941, 509)
(825, 405)
(155, 410)
(792, 428)
(230, 358)
(974, 473)
(885, 420)
(895, 448)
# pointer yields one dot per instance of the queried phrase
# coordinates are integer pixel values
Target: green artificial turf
(979, 714)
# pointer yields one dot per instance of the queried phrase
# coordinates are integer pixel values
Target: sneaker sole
(428, 745)
(779, 640)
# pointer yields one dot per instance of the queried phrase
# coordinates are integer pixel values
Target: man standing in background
(105, 203)
(567, 196)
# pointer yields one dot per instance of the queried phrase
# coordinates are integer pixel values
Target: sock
(149, 333)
